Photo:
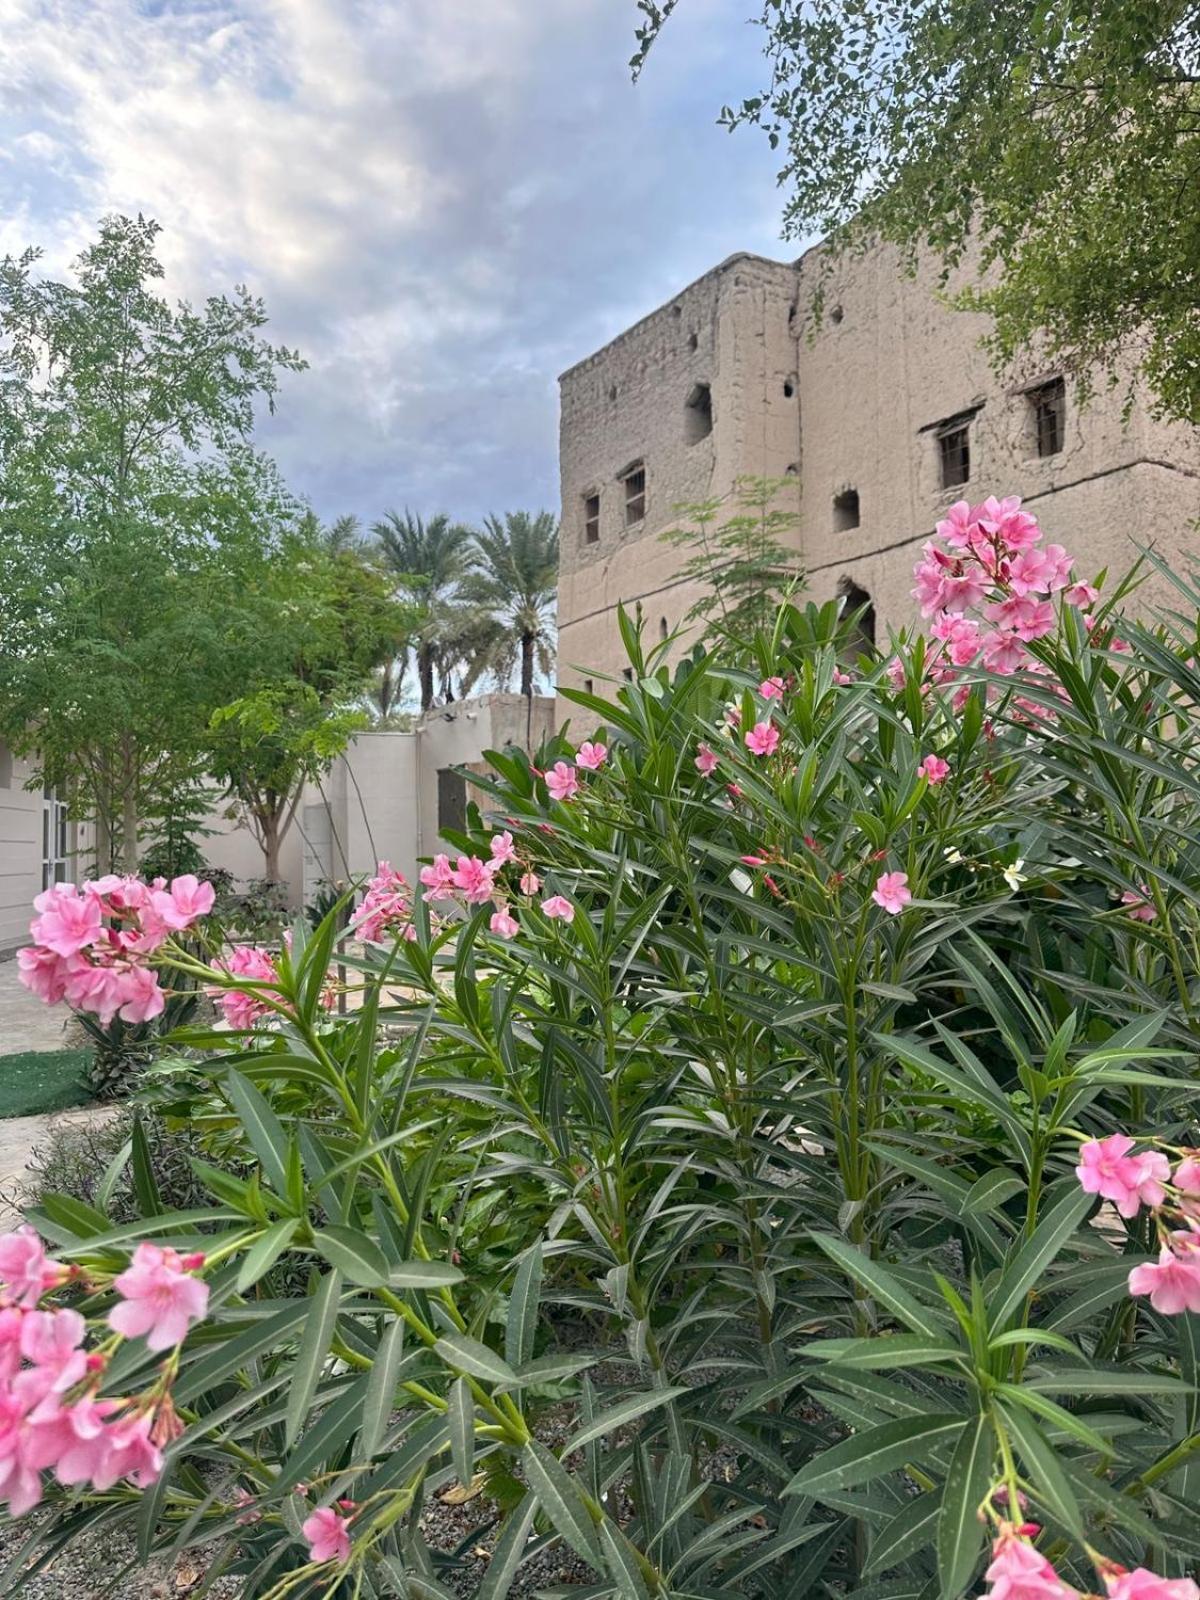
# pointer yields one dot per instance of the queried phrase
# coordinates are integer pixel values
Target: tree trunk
(425, 671)
(527, 643)
(129, 824)
(270, 843)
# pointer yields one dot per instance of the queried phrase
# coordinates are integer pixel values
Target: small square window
(954, 454)
(845, 510)
(1048, 415)
(591, 519)
(452, 800)
(589, 686)
(635, 494)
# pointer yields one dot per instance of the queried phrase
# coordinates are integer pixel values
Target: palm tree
(513, 579)
(430, 560)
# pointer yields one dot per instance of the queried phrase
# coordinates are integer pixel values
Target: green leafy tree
(514, 580)
(136, 523)
(429, 561)
(336, 622)
(740, 554)
(1059, 143)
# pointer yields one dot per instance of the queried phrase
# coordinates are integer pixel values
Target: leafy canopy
(1060, 141)
(136, 522)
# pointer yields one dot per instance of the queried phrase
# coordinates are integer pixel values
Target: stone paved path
(27, 1024)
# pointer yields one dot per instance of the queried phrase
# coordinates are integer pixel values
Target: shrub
(825, 1044)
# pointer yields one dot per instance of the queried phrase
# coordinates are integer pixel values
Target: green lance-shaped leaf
(381, 1389)
(263, 1129)
(509, 1551)
(314, 1347)
(264, 1252)
(560, 1500)
(882, 1285)
(909, 1530)
(621, 1414)
(357, 1257)
(472, 1357)
(875, 1451)
(960, 1533)
(1047, 1479)
(145, 1189)
(460, 1418)
(523, 1308)
(621, 1563)
(1035, 1255)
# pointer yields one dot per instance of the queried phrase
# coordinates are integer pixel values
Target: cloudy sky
(443, 202)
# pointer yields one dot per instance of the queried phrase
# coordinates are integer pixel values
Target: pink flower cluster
(1106, 1168)
(1018, 1571)
(989, 558)
(562, 779)
(52, 1417)
(243, 1008)
(386, 910)
(91, 945)
(473, 880)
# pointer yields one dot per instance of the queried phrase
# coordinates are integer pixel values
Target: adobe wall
(629, 402)
(886, 365)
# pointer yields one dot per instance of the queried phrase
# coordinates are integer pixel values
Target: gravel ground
(85, 1572)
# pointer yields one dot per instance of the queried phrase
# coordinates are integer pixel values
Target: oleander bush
(793, 1083)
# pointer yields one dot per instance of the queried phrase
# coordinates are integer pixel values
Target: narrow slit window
(845, 510)
(698, 414)
(857, 605)
(591, 519)
(452, 801)
(954, 451)
(635, 494)
(1048, 408)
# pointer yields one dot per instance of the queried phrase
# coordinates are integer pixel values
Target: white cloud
(443, 201)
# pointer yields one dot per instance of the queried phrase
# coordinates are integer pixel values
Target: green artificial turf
(37, 1081)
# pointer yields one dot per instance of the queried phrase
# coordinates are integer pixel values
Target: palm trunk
(425, 671)
(527, 644)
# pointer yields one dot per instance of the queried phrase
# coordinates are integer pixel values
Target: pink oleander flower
(437, 878)
(1004, 651)
(1141, 1584)
(763, 739)
(530, 883)
(139, 994)
(475, 879)
(1019, 1572)
(1172, 1282)
(187, 901)
(43, 972)
(26, 1272)
(1081, 595)
(562, 781)
(243, 1009)
(1106, 1168)
(1141, 907)
(957, 525)
(934, 770)
(706, 761)
(386, 910)
(69, 922)
(504, 923)
(1186, 1176)
(772, 688)
(891, 891)
(842, 678)
(501, 848)
(591, 756)
(558, 906)
(50, 1341)
(327, 1535)
(158, 1298)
